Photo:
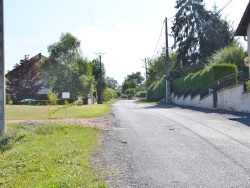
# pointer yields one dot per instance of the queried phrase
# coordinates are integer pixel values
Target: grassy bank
(48, 156)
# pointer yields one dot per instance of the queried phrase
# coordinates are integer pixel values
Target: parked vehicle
(28, 100)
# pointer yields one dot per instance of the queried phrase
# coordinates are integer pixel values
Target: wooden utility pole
(168, 95)
(2, 71)
(167, 53)
(146, 73)
(100, 100)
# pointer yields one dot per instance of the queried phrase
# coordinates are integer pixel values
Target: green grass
(28, 112)
(48, 156)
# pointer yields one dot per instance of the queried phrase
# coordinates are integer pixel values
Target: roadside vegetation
(49, 156)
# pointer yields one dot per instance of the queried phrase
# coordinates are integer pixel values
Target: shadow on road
(234, 116)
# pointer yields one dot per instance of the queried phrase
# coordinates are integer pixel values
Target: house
(244, 27)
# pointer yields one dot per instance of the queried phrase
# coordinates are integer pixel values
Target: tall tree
(132, 81)
(24, 81)
(111, 82)
(95, 64)
(65, 69)
(198, 33)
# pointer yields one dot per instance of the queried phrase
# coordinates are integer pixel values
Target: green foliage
(142, 94)
(118, 93)
(157, 90)
(248, 85)
(128, 84)
(111, 82)
(52, 96)
(198, 33)
(134, 80)
(10, 102)
(123, 96)
(233, 54)
(204, 78)
(130, 91)
(65, 69)
(109, 94)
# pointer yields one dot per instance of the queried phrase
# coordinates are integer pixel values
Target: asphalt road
(170, 146)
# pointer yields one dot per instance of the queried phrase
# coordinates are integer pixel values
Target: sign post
(65, 95)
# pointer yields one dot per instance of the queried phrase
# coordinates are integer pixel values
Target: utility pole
(167, 53)
(146, 73)
(100, 101)
(2, 70)
(168, 95)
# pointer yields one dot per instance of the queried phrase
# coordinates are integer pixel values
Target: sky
(125, 31)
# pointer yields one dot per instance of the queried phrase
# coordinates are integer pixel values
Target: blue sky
(126, 30)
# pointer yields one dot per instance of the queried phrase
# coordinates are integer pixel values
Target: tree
(136, 76)
(100, 84)
(24, 81)
(134, 80)
(129, 84)
(65, 69)
(198, 34)
(111, 82)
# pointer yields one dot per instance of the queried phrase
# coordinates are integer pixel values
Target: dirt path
(105, 122)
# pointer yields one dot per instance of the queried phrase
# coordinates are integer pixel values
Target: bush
(142, 94)
(157, 90)
(131, 91)
(109, 94)
(52, 96)
(123, 96)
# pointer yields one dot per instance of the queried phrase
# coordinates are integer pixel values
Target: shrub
(109, 94)
(52, 96)
(124, 96)
(142, 94)
(157, 90)
(131, 91)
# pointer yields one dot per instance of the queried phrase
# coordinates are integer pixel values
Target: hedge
(204, 78)
(157, 90)
(142, 94)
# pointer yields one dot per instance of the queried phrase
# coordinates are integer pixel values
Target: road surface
(169, 146)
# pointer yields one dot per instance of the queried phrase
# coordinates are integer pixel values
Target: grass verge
(27, 112)
(48, 156)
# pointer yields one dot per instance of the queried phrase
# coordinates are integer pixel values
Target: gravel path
(105, 122)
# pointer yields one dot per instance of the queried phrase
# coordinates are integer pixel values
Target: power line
(79, 10)
(89, 12)
(158, 40)
(69, 14)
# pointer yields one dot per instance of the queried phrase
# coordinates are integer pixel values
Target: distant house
(42, 94)
(244, 27)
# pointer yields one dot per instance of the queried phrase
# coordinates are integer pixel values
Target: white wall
(207, 102)
(234, 99)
